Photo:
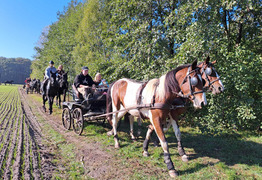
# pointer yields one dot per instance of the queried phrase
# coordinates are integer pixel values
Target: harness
(190, 85)
(206, 75)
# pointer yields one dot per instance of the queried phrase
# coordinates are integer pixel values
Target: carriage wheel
(78, 121)
(66, 118)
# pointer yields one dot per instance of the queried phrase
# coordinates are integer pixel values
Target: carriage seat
(78, 97)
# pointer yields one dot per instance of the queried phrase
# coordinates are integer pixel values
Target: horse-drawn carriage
(153, 100)
(84, 109)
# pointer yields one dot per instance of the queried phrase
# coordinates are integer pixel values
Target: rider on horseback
(49, 69)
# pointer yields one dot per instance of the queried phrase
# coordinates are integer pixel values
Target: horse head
(63, 80)
(210, 77)
(52, 79)
(185, 81)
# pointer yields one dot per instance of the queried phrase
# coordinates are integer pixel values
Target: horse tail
(109, 104)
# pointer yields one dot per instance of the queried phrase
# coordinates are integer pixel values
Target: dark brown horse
(63, 88)
(212, 83)
(155, 99)
(50, 91)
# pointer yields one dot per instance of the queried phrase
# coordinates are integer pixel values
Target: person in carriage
(49, 69)
(83, 84)
(103, 85)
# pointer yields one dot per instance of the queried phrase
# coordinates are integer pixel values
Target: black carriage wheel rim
(78, 121)
(66, 118)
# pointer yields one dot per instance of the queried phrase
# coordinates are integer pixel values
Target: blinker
(208, 71)
(193, 81)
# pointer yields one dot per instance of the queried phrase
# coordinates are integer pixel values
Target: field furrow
(17, 166)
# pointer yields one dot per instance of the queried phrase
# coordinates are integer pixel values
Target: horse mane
(168, 83)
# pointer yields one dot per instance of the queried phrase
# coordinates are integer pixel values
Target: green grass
(228, 156)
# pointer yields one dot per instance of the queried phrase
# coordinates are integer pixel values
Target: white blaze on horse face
(220, 82)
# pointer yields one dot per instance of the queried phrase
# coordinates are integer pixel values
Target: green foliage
(145, 39)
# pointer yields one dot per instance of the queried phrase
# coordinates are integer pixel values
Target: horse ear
(214, 62)
(194, 64)
(207, 60)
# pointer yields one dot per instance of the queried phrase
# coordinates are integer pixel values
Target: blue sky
(21, 24)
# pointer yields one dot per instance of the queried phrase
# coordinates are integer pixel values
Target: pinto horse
(50, 91)
(211, 82)
(63, 88)
(155, 99)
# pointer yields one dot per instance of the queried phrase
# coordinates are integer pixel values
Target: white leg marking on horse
(176, 130)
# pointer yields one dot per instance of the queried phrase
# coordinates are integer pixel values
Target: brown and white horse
(212, 83)
(157, 96)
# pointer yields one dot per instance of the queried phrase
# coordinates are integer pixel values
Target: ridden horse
(50, 91)
(155, 98)
(9, 82)
(211, 82)
(33, 85)
(38, 85)
(63, 88)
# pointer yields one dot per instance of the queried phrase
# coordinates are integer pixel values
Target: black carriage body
(94, 105)
(76, 112)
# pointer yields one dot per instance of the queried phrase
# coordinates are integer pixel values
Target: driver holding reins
(84, 82)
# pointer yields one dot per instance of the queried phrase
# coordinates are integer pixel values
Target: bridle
(192, 82)
(207, 71)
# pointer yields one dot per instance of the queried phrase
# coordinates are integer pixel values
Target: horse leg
(160, 133)
(147, 139)
(114, 124)
(50, 101)
(131, 122)
(64, 95)
(44, 100)
(139, 122)
(181, 150)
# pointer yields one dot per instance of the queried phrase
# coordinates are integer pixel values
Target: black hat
(51, 62)
(84, 68)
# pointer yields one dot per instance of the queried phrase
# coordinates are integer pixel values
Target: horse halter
(207, 71)
(193, 81)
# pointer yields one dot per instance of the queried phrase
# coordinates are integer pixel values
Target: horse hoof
(184, 158)
(173, 173)
(117, 146)
(50, 112)
(145, 154)
(109, 133)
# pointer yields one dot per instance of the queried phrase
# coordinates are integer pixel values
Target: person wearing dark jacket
(84, 82)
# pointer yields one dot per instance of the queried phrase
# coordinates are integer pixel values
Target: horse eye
(208, 71)
(194, 81)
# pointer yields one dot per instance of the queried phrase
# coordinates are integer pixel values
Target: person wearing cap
(49, 69)
(84, 81)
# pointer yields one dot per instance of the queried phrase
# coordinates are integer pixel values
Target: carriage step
(93, 113)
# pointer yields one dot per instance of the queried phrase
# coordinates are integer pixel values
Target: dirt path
(97, 162)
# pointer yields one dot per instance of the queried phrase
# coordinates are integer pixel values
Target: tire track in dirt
(35, 151)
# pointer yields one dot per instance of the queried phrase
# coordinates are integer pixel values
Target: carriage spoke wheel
(78, 121)
(66, 118)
